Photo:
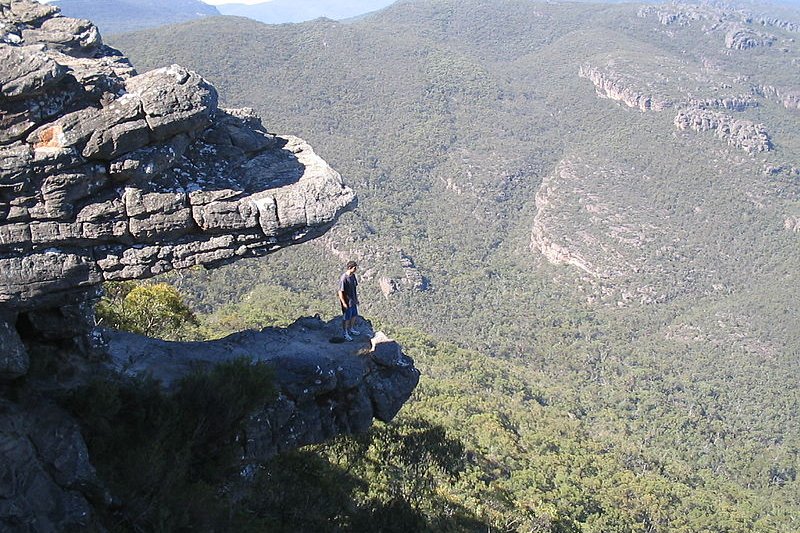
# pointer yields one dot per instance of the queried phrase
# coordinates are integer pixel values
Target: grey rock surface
(614, 86)
(739, 38)
(45, 473)
(324, 389)
(126, 176)
(106, 174)
(787, 97)
(14, 361)
(741, 133)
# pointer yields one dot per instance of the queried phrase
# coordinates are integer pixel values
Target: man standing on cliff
(348, 298)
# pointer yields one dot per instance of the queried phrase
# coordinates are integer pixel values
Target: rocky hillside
(107, 174)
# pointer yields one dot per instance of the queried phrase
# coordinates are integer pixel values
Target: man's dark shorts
(350, 312)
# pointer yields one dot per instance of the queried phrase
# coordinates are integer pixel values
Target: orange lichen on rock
(51, 137)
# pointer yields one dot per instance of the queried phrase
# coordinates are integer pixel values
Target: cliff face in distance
(107, 174)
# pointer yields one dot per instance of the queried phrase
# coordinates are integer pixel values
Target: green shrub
(152, 309)
(166, 456)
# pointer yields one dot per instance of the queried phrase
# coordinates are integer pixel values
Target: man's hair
(351, 264)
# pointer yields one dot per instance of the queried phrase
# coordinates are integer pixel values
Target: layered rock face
(788, 98)
(613, 86)
(601, 220)
(739, 38)
(744, 134)
(107, 174)
(741, 33)
(695, 114)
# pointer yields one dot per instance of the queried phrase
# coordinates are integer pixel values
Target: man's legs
(353, 316)
(348, 322)
(351, 326)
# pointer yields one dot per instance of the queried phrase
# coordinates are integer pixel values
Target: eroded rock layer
(110, 175)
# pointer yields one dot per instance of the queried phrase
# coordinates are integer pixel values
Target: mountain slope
(605, 195)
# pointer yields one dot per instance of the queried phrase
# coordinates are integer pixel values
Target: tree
(155, 310)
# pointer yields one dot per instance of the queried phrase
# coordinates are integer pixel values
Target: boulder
(27, 70)
(45, 473)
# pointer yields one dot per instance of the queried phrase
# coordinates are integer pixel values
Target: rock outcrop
(776, 22)
(744, 134)
(603, 223)
(614, 86)
(788, 98)
(739, 38)
(107, 174)
(683, 14)
(731, 103)
(48, 482)
(742, 30)
(324, 388)
(697, 114)
(147, 179)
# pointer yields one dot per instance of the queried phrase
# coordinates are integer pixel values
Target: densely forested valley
(580, 220)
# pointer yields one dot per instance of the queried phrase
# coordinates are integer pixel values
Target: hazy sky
(219, 2)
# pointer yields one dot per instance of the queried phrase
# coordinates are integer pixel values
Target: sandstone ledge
(106, 174)
(324, 389)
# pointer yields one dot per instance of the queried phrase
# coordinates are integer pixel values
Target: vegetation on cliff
(488, 443)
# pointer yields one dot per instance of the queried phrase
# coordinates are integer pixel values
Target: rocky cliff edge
(107, 174)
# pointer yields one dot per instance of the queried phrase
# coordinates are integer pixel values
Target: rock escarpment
(715, 16)
(644, 85)
(739, 38)
(614, 86)
(150, 177)
(744, 134)
(602, 221)
(788, 98)
(107, 174)
(792, 223)
(744, 35)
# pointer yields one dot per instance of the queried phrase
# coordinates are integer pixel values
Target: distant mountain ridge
(280, 11)
(120, 16)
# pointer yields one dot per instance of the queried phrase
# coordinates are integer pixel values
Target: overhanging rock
(106, 174)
